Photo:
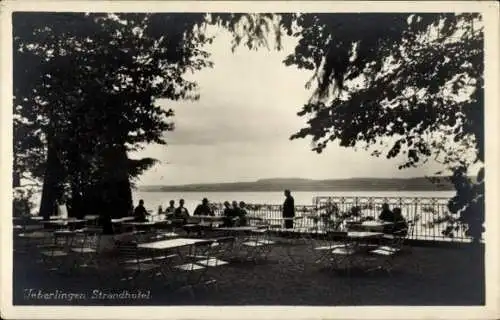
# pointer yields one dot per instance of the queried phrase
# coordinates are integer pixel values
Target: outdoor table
(123, 219)
(136, 223)
(163, 235)
(66, 234)
(72, 223)
(139, 225)
(64, 221)
(238, 232)
(203, 218)
(352, 249)
(91, 217)
(253, 244)
(377, 226)
(34, 235)
(237, 229)
(360, 239)
(200, 222)
(170, 243)
(40, 218)
(363, 234)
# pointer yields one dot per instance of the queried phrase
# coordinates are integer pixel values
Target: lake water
(192, 199)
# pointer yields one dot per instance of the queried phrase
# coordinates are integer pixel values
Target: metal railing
(430, 216)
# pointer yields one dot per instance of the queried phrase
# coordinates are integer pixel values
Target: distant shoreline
(306, 185)
(293, 190)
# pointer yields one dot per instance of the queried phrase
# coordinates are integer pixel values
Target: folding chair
(33, 242)
(193, 270)
(219, 255)
(85, 249)
(131, 262)
(324, 247)
(220, 249)
(153, 255)
(91, 221)
(258, 245)
(390, 247)
(55, 252)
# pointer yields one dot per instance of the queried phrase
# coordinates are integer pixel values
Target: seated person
(236, 214)
(203, 209)
(400, 224)
(395, 217)
(140, 213)
(181, 212)
(170, 210)
(242, 214)
(386, 214)
(229, 215)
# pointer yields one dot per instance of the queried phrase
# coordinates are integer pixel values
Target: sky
(239, 129)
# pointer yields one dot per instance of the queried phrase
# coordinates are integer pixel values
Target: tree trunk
(114, 189)
(51, 183)
(16, 179)
(77, 209)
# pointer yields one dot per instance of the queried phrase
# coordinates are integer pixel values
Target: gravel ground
(425, 276)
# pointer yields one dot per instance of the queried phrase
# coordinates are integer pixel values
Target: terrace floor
(445, 276)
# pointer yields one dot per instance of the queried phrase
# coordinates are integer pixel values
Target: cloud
(239, 129)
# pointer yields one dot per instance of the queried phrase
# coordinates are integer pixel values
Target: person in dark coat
(395, 216)
(386, 213)
(242, 214)
(203, 209)
(140, 212)
(288, 209)
(229, 215)
(170, 210)
(181, 212)
(400, 224)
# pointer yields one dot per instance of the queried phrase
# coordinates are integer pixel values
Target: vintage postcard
(249, 159)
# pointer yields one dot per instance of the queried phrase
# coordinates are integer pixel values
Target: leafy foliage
(401, 85)
(85, 90)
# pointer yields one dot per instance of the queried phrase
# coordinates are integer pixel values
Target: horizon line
(283, 178)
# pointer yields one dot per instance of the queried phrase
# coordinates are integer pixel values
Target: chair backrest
(222, 246)
(204, 249)
(126, 251)
(78, 240)
(144, 237)
(93, 239)
(411, 228)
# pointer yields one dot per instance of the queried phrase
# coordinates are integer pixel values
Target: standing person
(203, 209)
(181, 212)
(288, 209)
(170, 210)
(140, 212)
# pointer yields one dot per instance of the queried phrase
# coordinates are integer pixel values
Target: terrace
(441, 274)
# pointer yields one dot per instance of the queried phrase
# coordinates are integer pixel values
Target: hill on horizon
(302, 184)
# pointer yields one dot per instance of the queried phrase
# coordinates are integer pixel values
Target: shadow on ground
(427, 276)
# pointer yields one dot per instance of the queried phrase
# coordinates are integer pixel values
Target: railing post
(415, 213)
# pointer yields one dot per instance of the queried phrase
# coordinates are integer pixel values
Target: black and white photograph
(250, 154)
